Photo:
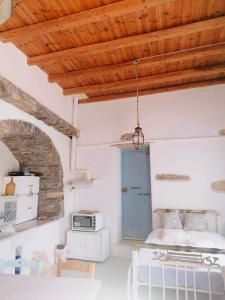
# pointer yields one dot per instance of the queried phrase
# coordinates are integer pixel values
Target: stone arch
(33, 148)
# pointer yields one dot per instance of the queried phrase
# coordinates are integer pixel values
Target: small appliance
(87, 221)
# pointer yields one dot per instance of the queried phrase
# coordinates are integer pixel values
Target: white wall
(7, 162)
(203, 161)
(182, 114)
(62, 144)
(14, 67)
(190, 113)
(103, 162)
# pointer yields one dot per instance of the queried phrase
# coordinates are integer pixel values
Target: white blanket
(180, 237)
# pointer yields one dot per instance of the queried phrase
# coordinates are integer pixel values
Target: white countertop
(26, 226)
(14, 287)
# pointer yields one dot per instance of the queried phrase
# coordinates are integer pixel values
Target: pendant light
(6, 10)
(138, 136)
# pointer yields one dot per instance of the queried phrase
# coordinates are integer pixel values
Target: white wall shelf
(89, 183)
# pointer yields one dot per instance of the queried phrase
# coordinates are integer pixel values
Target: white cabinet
(26, 208)
(6, 252)
(26, 197)
(25, 185)
(88, 245)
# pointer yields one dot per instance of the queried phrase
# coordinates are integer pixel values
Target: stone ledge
(15, 96)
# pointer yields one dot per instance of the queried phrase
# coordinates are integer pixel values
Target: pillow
(170, 220)
(194, 222)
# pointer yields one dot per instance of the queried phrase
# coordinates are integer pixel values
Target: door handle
(124, 190)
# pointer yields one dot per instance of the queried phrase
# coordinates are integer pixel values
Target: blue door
(136, 194)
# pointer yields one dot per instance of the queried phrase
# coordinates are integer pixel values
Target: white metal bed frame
(186, 259)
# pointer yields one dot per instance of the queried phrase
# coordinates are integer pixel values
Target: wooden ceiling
(88, 46)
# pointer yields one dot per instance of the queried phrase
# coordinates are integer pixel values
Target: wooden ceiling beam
(102, 13)
(153, 91)
(178, 56)
(147, 80)
(136, 40)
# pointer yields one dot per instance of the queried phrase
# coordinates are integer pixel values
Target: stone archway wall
(33, 148)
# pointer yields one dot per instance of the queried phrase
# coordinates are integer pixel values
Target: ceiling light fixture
(6, 10)
(138, 136)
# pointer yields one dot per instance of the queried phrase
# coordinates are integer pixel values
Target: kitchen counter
(27, 226)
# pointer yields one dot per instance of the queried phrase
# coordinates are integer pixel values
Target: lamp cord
(136, 62)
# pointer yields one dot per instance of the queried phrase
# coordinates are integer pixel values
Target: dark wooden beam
(148, 80)
(102, 13)
(136, 40)
(154, 91)
(173, 57)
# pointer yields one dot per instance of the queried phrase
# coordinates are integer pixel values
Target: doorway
(136, 194)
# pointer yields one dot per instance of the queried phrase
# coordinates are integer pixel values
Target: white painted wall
(14, 67)
(103, 162)
(190, 113)
(182, 114)
(62, 144)
(203, 161)
(8, 162)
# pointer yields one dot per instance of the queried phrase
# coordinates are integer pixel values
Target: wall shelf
(172, 177)
(88, 183)
(82, 179)
(218, 186)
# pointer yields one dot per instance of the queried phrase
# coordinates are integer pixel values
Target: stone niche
(33, 148)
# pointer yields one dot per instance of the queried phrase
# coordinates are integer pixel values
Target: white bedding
(205, 239)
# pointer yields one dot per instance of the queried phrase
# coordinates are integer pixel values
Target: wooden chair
(75, 265)
(35, 267)
(41, 256)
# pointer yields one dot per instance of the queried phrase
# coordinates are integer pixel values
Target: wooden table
(14, 287)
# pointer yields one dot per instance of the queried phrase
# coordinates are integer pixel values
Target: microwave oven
(87, 222)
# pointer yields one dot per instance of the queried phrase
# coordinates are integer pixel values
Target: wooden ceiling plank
(178, 56)
(147, 80)
(102, 13)
(153, 91)
(122, 43)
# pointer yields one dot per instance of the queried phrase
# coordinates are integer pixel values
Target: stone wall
(33, 148)
(15, 96)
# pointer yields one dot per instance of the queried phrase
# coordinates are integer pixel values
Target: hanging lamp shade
(138, 138)
(6, 10)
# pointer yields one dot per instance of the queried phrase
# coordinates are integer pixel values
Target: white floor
(113, 275)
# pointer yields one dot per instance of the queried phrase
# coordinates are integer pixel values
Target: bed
(177, 263)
